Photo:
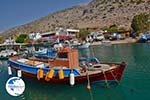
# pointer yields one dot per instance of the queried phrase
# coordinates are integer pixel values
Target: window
(62, 55)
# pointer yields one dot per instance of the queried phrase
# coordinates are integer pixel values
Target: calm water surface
(135, 83)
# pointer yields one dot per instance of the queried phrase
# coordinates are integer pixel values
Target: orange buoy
(88, 87)
(50, 74)
(40, 73)
(61, 74)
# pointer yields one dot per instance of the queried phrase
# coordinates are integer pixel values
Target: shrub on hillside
(141, 23)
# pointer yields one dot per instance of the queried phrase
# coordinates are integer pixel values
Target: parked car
(114, 36)
(100, 37)
(144, 37)
(147, 35)
(133, 35)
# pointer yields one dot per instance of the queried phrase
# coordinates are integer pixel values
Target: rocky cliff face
(96, 14)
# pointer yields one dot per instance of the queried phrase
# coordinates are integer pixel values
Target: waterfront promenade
(125, 41)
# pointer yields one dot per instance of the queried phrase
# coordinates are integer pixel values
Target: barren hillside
(96, 14)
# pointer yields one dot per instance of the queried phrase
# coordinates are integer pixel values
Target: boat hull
(79, 79)
(110, 75)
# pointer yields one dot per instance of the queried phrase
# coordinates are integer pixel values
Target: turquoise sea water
(135, 83)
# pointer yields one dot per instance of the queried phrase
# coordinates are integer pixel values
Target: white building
(35, 36)
(62, 34)
(9, 41)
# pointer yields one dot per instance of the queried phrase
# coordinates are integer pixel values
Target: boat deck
(98, 68)
(92, 69)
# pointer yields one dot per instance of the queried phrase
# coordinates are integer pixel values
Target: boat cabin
(66, 57)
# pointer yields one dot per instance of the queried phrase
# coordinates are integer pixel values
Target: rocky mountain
(94, 15)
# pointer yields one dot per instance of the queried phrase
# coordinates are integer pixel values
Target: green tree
(114, 28)
(22, 38)
(83, 34)
(141, 23)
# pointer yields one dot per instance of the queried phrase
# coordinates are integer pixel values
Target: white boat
(5, 54)
(81, 45)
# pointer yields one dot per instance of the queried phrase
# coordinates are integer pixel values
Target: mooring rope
(88, 79)
(114, 77)
(106, 82)
(91, 95)
(88, 85)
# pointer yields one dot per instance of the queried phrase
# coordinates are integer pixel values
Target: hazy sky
(18, 12)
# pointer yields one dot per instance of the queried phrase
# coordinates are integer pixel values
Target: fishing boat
(46, 54)
(67, 68)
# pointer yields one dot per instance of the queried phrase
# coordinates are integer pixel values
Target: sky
(19, 12)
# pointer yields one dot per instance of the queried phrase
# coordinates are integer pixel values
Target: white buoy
(9, 70)
(72, 79)
(19, 73)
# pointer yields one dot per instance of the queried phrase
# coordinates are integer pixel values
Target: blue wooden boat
(66, 68)
(45, 54)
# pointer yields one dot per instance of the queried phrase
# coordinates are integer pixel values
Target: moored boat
(48, 54)
(81, 46)
(5, 54)
(67, 68)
